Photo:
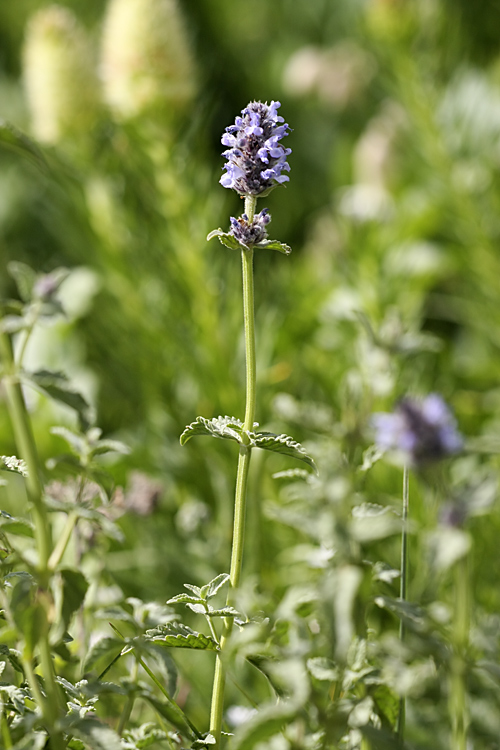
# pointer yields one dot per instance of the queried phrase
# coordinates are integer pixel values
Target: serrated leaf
(56, 386)
(227, 428)
(223, 612)
(195, 589)
(216, 584)
(14, 140)
(205, 741)
(274, 245)
(227, 240)
(177, 635)
(110, 446)
(281, 444)
(230, 428)
(184, 599)
(12, 463)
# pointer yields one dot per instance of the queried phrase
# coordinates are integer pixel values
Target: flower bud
(59, 77)
(146, 60)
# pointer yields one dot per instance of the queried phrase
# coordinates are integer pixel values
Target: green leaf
(281, 444)
(227, 240)
(12, 463)
(24, 276)
(14, 140)
(410, 613)
(94, 734)
(274, 245)
(18, 526)
(173, 714)
(205, 741)
(227, 428)
(177, 635)
(150, 650)
(185, 599)
(323, 669)
(74, 586)
(216, 584)
(223, 612)
(144, 736)
(230, 428)
(56, 386)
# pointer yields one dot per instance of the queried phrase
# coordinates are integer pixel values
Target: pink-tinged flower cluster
(255, 157)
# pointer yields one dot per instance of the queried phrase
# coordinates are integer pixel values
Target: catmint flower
(422, 429)
(255, 158)
(249, 233)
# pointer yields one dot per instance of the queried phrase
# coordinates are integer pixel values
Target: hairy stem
(403, 593)
(241, 478)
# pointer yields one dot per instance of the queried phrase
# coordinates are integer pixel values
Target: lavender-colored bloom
(255, 158)
(249, 233)
(424, 430)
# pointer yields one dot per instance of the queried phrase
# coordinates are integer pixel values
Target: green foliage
(229, 428)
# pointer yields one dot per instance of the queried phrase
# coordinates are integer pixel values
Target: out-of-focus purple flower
(255, 158)
(249, 233)
(423, 429)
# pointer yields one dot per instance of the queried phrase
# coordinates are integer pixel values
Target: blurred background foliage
(392, 212)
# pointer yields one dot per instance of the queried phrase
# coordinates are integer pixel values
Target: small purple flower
(250, 233)
(255, 158)
(423, 429)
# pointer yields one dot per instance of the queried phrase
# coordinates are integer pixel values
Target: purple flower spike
(255, 158)
(250, 234)
(424, 430)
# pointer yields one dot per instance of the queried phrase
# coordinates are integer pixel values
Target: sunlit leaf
(177, 635)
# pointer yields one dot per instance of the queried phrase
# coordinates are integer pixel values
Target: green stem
(26, 446)
(403, 593)
(458, 693)
(27, 450)
(217, 707)
(62, 542)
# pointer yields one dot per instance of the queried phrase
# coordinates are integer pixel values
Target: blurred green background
(392, 212)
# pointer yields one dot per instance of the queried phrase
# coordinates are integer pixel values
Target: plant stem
(26, 446)
(62, 542)
(458, 694)
(403, 593)
(241, 478)
(27, 450)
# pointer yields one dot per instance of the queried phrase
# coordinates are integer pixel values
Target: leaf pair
(230, 428)
(228, 240)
